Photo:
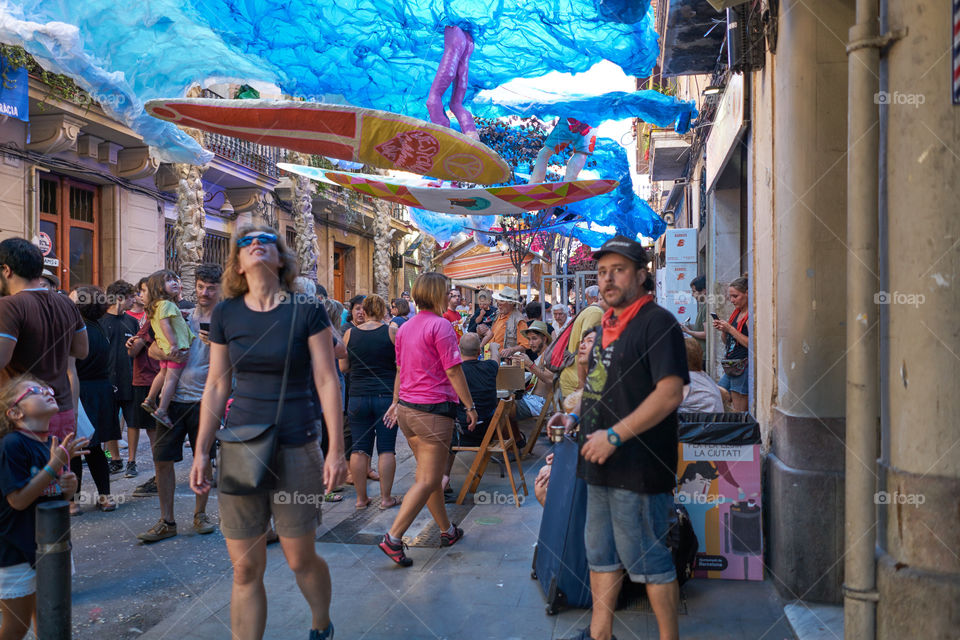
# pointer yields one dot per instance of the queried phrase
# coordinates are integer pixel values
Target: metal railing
(259, 157)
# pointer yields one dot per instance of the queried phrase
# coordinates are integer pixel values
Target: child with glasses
(34, 468)
(173, 336)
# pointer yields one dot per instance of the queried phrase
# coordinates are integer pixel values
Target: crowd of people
(257, 349)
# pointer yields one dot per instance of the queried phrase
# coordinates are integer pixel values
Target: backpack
(556, 357)
(683, 543)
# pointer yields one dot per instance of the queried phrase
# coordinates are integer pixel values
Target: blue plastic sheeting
(648, 105)
(380, 54)
(622, 208)
(443, 227)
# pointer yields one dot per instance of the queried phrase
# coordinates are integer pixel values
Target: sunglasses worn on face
(262, 238)
(34, 391)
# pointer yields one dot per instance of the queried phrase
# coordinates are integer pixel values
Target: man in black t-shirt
(120, 327)
(637, 371)
(481, 378)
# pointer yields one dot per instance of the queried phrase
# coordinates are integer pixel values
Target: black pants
(99, 469)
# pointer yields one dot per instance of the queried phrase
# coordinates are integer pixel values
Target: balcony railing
(258, 157)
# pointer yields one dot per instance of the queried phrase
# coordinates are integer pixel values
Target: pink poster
(719, 485)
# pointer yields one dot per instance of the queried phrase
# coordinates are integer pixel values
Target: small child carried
(34, 468)
(173, 336)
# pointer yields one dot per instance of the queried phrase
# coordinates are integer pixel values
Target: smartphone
(205, 326)
(714, 316)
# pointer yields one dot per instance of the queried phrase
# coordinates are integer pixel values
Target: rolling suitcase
(560, 557)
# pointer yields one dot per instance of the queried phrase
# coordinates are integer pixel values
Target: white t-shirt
(702, 395)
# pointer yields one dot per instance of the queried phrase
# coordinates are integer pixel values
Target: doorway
(69, 230)
(339, 289)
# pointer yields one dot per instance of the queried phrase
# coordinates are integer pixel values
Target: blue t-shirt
(21, 458)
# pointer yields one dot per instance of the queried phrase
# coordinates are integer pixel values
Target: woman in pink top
(428, 387)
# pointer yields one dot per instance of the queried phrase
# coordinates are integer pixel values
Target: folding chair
(504, 444)
(545, 413)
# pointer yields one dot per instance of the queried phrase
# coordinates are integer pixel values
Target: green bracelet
(48, 469)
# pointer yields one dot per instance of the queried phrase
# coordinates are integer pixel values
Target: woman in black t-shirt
(96, 396)
(372, 364)
(249, 332)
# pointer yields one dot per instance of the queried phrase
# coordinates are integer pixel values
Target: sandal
(395, 501)
(333, 497)
(148, 406)
(106, 504)
(361, 507)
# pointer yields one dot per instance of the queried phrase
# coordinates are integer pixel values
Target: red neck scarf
(742, 320)
(613, 327)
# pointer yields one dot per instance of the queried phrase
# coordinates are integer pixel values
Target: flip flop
(396, 502)
(332, 497)
(361, 507)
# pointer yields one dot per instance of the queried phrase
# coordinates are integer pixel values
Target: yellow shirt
(182, 332)
(589, 317)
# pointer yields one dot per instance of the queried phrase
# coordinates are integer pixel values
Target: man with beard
(185, 412)
(637, 370)
(40, 330)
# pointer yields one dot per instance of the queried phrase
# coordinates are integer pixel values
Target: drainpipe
(862, 390)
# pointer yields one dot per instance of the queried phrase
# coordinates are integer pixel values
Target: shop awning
(478, 266)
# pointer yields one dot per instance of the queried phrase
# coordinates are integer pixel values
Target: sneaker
(395, 551)
(326, 634)
(448, 540)
(585, 635)
(158, 532)
(203, 524)
(146, 490)
(131, 470)
(115, 466)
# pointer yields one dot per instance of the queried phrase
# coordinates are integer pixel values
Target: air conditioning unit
(746, 43)
(720, 5)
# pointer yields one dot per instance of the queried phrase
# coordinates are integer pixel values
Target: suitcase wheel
(533, 575)
(551, 610)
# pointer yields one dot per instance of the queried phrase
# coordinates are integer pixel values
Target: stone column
(381, 248)
(919, 567)
(303, 222)
(426, 254)
(805, 358)
(189, 228)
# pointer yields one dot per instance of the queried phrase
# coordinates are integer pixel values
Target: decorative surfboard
(377, 138)
(492, 201)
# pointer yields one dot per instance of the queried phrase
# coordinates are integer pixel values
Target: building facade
(85, 188)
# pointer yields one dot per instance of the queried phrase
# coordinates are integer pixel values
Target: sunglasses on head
(33, 391)
(262, 238)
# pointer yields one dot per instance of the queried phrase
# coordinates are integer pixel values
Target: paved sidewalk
(481, 588)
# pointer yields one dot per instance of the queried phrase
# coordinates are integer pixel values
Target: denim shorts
(737, 384)
(629, 530)
(366, 422)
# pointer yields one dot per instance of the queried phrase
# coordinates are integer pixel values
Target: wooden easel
(505, 444)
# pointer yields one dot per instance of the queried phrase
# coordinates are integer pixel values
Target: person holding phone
(697, 329)
(736, 340)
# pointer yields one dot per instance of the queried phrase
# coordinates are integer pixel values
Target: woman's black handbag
(249, 454)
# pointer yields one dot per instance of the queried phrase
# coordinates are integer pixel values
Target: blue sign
(14, 92)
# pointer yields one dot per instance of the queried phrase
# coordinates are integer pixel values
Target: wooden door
(70, 230)
(338, 284)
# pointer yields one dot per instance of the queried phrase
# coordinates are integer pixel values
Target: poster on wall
(14, 96)
(718, 482)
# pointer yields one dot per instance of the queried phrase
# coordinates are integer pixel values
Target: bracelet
(48, 469)
(576, 418)
(468, 410)
(66, 452)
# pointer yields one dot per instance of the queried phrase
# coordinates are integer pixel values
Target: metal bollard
(53, 571)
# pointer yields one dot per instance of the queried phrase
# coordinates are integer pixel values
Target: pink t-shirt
(426, 347)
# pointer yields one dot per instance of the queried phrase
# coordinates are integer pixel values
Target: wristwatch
(469, 409)
(613, 437)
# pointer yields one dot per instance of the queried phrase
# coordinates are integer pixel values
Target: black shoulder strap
(286, 362)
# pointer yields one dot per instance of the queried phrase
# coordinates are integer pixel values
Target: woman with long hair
(372, 365)
(736, 340)
(428, 389)
(249, 333)
(96, 396)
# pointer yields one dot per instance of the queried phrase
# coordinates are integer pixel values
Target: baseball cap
(625, 247)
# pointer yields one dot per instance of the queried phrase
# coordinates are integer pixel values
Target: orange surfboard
(377, 138)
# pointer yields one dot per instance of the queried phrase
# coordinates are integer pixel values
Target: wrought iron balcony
(258, 157)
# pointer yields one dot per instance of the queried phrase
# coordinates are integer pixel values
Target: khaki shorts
(294, 504)
(426, 426)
